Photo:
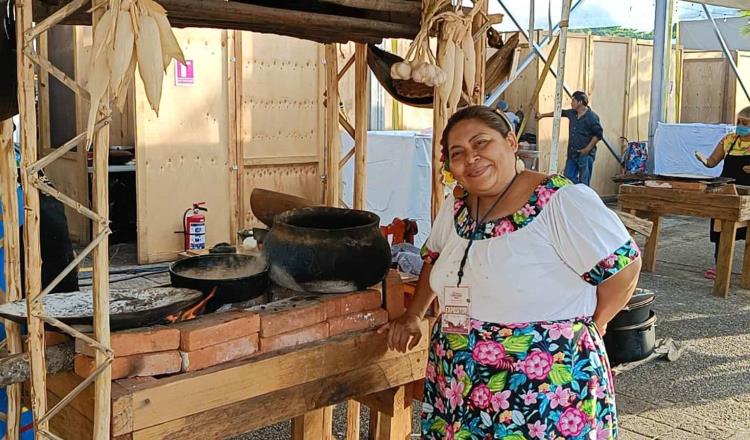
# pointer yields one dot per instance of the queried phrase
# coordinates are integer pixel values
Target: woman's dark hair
(494, 119)
(581, 97)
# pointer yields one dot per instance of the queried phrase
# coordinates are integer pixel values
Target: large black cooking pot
(327, 250)
(631, 343)
(236, 277)
(637, 311)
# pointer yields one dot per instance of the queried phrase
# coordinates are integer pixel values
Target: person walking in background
(585, 131)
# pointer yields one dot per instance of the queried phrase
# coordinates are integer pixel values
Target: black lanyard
(477, 222)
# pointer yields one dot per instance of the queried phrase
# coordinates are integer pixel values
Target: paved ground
(703, 395)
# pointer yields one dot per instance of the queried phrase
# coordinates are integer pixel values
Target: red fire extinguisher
(194, 223)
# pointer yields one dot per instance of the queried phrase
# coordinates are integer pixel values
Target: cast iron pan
(128, 308)
(236, 277)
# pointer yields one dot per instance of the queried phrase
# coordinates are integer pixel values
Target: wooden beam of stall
(12, 261)
(559, 86)
(100, 196)
(361, 122)
(33, 261)
(539, 85)
(396, 6)
(332, 145)
(480, 48)
(439, 119)
(346, 67)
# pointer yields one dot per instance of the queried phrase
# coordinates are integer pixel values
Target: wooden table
(729, 206)
(300, 384)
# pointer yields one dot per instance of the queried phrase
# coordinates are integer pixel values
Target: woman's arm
(614, 293)
(405, 332)
(715, 158)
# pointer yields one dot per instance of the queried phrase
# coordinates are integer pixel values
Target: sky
(635, 14)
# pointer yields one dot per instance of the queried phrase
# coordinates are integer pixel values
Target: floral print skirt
(543, 380)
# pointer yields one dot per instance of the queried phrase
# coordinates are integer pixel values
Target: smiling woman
(528, 270)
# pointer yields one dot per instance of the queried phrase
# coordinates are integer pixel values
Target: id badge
(456, 310)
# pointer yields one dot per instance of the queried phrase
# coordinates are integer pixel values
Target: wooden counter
(234, 398)
(729, 206)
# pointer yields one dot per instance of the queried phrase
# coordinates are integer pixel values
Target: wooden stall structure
(615, 72)
(711, 93)
(729, 206)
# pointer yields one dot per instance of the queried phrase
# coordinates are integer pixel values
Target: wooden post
(539, 85)
(725, 257)
(233, 40)
(559, 86)
(352, 420)
(397, 426)
(480, 48)
(746, 266)
(333, 141)
(361, 122)
(12, 267)
(33, 261)
(649, 254)
(100, 195)
(44, 109)
(309, 426)
(439, 119)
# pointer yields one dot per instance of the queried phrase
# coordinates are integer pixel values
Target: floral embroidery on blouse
(612, 264)
(464, 223)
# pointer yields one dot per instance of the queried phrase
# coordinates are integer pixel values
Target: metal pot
(236, 277)
(327, 250)
(637, 311)
(631, 343)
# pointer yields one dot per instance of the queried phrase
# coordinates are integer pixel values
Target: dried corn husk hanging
(130, 33)
(455, 66)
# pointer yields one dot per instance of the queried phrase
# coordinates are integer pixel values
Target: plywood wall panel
(609, 101)
(183, 153)
(296, 179)
(280, 97)
(704, 88)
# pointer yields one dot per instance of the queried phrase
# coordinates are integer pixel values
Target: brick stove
(246, 329)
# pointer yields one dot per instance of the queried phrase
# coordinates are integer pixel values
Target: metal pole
(726, 51)
(658, 75)
(523, 65)
(559, 86)
(532, 16)
(537, 52)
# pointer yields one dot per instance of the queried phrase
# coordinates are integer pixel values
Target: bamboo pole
(43, 107)
(100, 196)
(439, 119)
(361, 122)
(539, 85)
(559, 87)
(480, 48)
(33, 262)
(8, 177)
(333, 142)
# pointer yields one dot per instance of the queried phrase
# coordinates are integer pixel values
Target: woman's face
(481, 159)
(743, 121)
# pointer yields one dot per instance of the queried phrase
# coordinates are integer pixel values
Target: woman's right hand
(404, 333)
(701, 158)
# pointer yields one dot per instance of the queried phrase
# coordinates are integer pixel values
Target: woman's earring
(459, 192)
(520, 165)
